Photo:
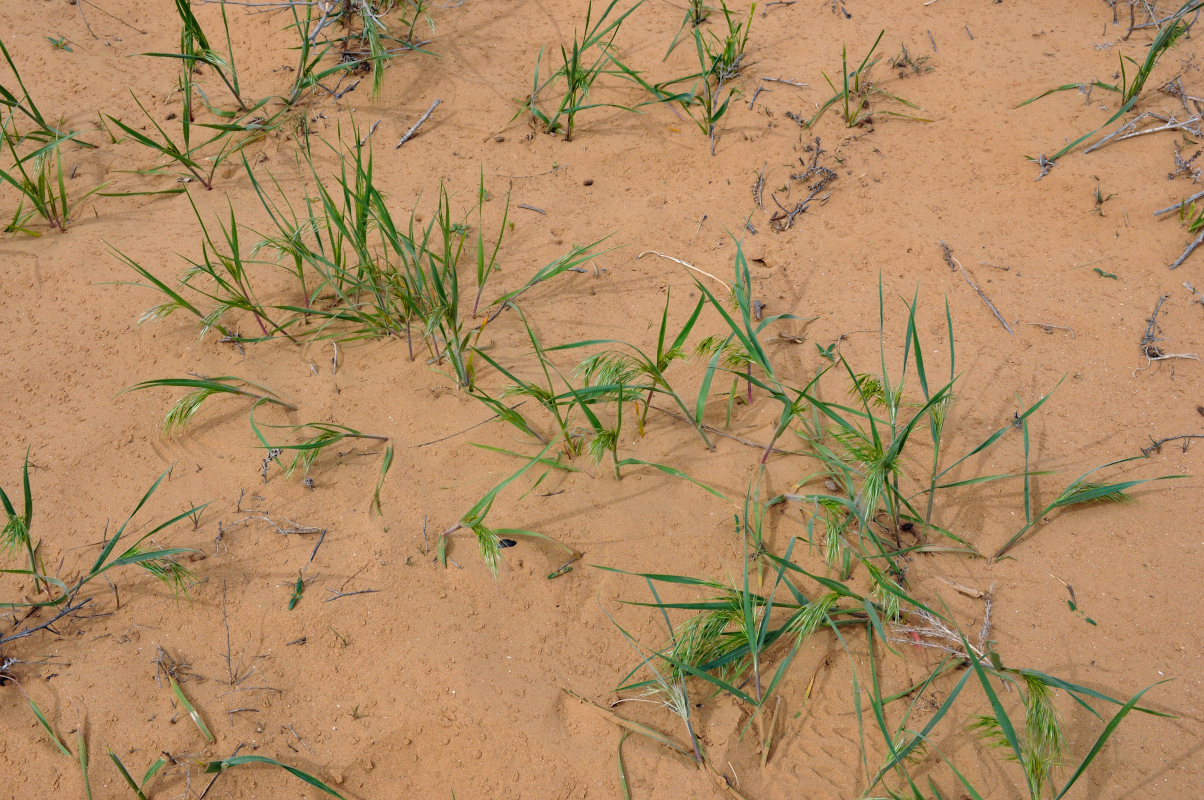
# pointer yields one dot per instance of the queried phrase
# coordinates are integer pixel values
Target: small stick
(684, 264)
(107, 14)
(1049, 328)
(933, 42)
(69, 609)
(535, 174)
(80, 8)
(1179, 205)
(321, 539)
(532, 208)
(636, 727)
(299, 739)
(1149, 338)
(1188, 251)
(788, 82)
(996, 266)
(1156, 447)
(410, 133)
(371, 131)
(986, 618)
(466, 430)
(337, 595)
(953, 262)
(977, 594)
(1199, 298)
(967, 27)
(1150, 359)
(334, 360)
(752, 101)
(719, 432)
(1129, 130)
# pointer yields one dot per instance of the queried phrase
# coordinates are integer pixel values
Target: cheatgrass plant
(1170, 31)
(741, 642)
(314, 438)
(223, 274)
(17, 100)
(139, 788)
(583, 423)
(720, 59)
(219, 767)
(15, 535)
(369, 46)
(855, 89)
(697, 12)
(358, 272)
(41, 183)
(1191, 216)
(741, 353)
(590, 56)
(907, 64)
(63, 598)
(309, 74)
(490, 540)
(188, 155)
(1085, 88)
(368, 42)
(220, 279)
(550, 393)
(195, 50)
(866, 509)
(203, 388)
(632, 370)
(389, 278)
(46, 726)
(1080, 491)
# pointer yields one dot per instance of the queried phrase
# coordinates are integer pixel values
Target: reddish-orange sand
(446, 681)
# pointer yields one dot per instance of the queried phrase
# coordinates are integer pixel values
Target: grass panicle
(203, 388)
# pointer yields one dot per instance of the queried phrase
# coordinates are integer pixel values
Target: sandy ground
(446, 681)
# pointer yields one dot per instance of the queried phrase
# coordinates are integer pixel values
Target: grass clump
(590, 55)
(855, 91)
(19, 101)
(865, 514)
(357, 272)
(1170, 31)
(40, 180)
(720, 60)
(63, 598)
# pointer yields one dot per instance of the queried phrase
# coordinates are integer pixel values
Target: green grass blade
(82, 746)
(193, 714)
(1104, 736)
(37, 712)
(624, 792)
(671, 471)
(476, 515)
(235, 761)
(385, 463)
(126, 775)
